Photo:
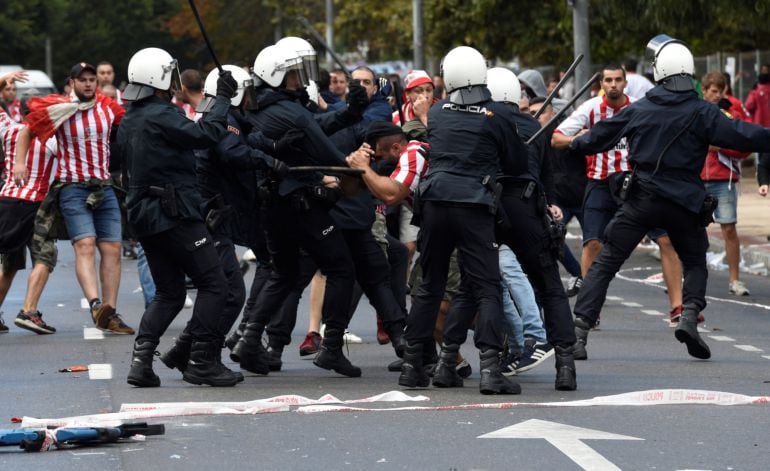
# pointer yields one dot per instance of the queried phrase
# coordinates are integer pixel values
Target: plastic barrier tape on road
(329, 403)
(653, 397)
(178, 409)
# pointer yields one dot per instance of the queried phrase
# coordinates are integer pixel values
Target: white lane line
(722, 338)
(748, 348)
(652, 312)
(100, 371)
(84, 303)
(766, 357)
(92, 333)
(631, 304)
(614, 298)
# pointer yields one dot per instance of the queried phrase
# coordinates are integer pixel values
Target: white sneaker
(188, 302)
(350, 337)
(738, 288)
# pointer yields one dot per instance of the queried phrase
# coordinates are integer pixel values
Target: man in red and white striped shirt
(83, 126)
(18, 206)
(599, 204)
(8, 97)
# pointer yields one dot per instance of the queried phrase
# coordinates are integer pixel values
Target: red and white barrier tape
(329, 403)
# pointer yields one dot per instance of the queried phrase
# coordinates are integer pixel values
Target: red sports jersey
(14, 109)
(412, 166)
(40, 163)
(598, 166)
(84, 142)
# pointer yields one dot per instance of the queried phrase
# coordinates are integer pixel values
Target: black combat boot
(274, 353)
(429, 358)
(687, 333)
(233, 338)
(412, 369)
(141, 374)
(492, 379)
(205, 366)
(582, 327)
(395, 331)
(330, 356)
(446, 375)
(178, 355)
(565, 369)
(249, 351)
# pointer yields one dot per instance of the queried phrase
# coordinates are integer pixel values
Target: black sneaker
(573, 285)
(3, 327)
(33, 321)
(508, 365)
(534, 354)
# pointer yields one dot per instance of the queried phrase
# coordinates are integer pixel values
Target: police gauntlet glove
(357, 99)
(226, 85)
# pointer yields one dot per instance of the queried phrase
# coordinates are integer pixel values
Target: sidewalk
(753, 224)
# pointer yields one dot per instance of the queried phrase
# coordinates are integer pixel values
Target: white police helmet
(306, 51)
(274, 62)
(464, 70)
(242, 78)
(151, 69)
(503, 85)
(670, 58)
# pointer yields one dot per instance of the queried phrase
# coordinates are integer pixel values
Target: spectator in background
(736, 110)
(191, 93)
(438, 87)
(324, 82)
(105, 77)
(338, 84)
(637, 84)
(758, 105)
(720, 175)
(10, 102)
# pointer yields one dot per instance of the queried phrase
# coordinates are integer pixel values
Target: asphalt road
(633, 351)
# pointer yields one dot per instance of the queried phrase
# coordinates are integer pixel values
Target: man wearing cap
(83, 125)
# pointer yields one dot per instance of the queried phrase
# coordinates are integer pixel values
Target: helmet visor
(297, 65)
(310, 64)
(656, 44)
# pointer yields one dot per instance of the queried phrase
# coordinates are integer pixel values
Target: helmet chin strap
(678, 83)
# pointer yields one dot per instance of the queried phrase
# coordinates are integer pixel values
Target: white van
(36, 79)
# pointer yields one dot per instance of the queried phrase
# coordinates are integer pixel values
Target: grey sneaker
(33, 321)
(738, 288)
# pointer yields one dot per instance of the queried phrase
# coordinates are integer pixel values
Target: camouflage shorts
(379, 230)
(452, 282)
(44, 252)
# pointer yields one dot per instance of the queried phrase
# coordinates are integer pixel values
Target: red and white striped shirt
(84, 142)
(14, 109)
(40, 163)
(598, 166)
(412, 166)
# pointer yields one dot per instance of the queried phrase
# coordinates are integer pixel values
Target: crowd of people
(452, 189)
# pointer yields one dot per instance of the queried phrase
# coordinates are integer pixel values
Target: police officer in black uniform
(298, 210)
(526, 230)
(668, 134)
(470, 138)
(163, 205)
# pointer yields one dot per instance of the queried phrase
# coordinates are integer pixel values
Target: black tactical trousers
(283, 321)
(640, 213)
(469, 228)
(298, 221)
(236, 288)
(185, 249)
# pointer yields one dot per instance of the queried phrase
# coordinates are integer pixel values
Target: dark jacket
(655, 121)
(469, 143)
(231, 169)
(538, 155)
(157, 142)
(277, 112)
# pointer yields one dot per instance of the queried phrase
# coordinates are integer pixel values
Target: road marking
(92, 333)
(722, 338)
(613, 298)
(766, 357)
(100, 371)
(748, 348)
(84, 303)
(652, 312)
(565, 438)
(631, 304)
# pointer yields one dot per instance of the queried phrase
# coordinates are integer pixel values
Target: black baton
(205, 36)
(566, 107)
(561, 83)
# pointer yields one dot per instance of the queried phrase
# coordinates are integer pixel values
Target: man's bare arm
(383, 188)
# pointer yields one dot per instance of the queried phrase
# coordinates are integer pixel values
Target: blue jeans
(82, 221)
(570, 263)
(519, 305)
(145, 277)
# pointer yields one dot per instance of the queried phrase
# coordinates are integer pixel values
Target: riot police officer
(669, 132)
(470, 138)
(227, 174)
(163, 206)
(298, 210)
(523, 201)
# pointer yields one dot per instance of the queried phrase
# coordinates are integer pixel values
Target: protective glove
(259, 141)
(278, 168)
(289, 144)
(226, 85)
(385, 86)
(357, 99)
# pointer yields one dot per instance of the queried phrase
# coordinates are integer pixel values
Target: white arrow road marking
(565, 438)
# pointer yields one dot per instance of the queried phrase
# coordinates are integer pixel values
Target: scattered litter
(74, 369)
(382, 460)
(60, 305)
(175, 457)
